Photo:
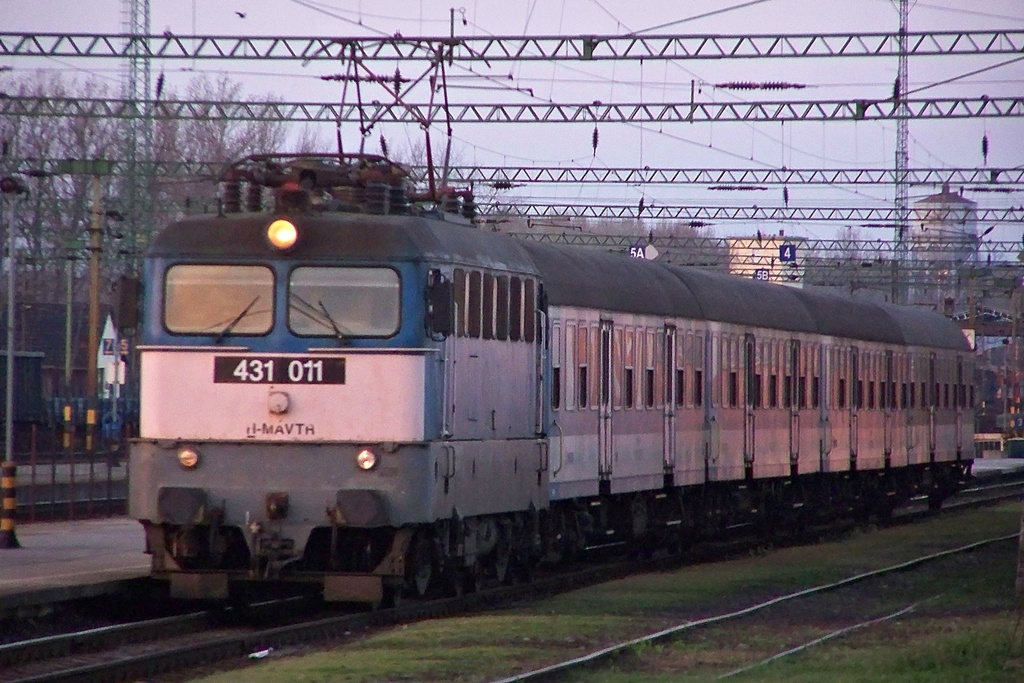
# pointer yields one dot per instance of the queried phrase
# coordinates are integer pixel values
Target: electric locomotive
(297, 392)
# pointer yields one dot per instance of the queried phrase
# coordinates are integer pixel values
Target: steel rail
(65, 644)
(546, 48)
(666, 635)
(590, 113)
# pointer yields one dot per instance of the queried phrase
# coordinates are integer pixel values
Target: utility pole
(95, 168)
(95, 233)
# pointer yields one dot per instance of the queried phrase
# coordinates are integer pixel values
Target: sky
(933, 144)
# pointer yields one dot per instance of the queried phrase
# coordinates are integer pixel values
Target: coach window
(805, 365)
(529, 310)
(650, 353)
(556, 367)
(488, 306)
(773, 374)
(628, 364)
(680, 380)
(698, 372)
(501, 316)
(869, 366)
(569, 365)
(515, 309)
(219, 300)
(357, 302)
(476, 298)
(582, 357)
(461, 294)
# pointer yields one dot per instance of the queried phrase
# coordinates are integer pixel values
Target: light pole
(10, 185)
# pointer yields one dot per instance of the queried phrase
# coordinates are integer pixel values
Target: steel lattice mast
(138, 126)
(902, 121)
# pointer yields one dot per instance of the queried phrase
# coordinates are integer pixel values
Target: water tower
(943, 244)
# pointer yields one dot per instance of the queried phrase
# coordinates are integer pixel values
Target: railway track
(560, 670)
(159, 646)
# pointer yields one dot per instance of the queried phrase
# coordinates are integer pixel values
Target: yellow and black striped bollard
(8, 539)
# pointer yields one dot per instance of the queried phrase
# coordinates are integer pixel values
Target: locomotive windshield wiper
(315, 313)
(334, 325)
(231, 325)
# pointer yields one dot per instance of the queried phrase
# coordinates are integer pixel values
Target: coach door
(887, 413)
(535, 330)
(793, 403)
(669, 426)
(751, 390)
(959, 398)
(604, 408)
(933, 402)
(856, 396)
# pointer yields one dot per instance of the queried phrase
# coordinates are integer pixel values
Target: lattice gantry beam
(746, 179)
(591, 113)
(729, 178)
(709, 214)
(515, 48)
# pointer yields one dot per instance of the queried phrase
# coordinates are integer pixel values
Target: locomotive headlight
(188, 457)
(366, 459)
(282, 234)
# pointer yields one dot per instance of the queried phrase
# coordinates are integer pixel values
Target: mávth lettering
(282, 429)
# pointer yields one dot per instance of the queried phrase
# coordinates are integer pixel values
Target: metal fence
(67, 481)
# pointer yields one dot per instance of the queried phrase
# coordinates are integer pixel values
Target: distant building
(775, 258)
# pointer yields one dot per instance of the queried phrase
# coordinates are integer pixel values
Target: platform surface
(983, 467)
(67, 560)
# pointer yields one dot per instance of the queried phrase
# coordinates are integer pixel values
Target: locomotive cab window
(346, 302)
(218, 299)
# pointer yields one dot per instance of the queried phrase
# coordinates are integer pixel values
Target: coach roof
(615, 282)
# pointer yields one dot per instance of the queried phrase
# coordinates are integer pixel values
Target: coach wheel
(454, 581)
(392, 597)
(503, 556)
(422, 566)
(473, 578)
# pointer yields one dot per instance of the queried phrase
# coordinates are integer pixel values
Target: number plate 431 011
(277, 370)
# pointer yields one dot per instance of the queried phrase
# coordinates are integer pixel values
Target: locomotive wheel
(421, 566)
(454, 579)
